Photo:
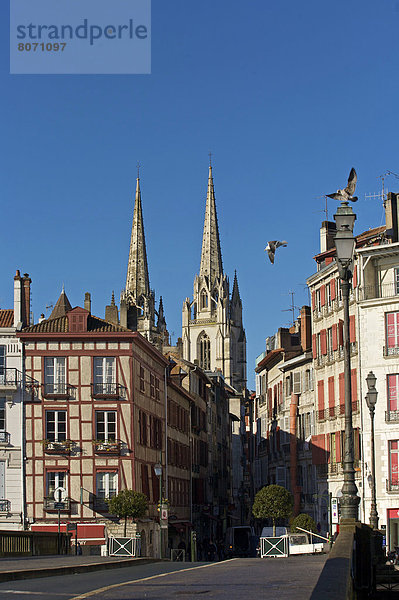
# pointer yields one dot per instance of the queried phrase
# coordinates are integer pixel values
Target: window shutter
(335, 337)
(354, 280)
(352, 329)
(354, 386)
(155, 487)
(340, 332)
(313, 300)
(323, 295)
(331, 397)
(257, 379)
(332, 287)
(338, 446)
(342, 391)
(323, 341)
(297, 382)
(144, 480)
(320, 395)
(327, 446)
(314, 346)
(318, 449)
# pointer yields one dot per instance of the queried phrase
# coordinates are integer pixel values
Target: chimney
(391, 216)
(111, 312)
(17, 300)
(88, 302)
(327, 232)
(306, 328)
(26, 300)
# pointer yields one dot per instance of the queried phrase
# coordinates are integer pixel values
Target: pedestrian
(78, 549)
(211, 551)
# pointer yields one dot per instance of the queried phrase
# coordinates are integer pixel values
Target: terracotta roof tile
(6, 317)
(60, 325)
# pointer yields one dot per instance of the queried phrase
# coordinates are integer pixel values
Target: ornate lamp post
(371, 399)
(158, 473)
(345, 246)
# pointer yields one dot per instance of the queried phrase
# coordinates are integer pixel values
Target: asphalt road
(244, 579)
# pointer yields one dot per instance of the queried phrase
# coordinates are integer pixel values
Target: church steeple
(211, 255)
(137, 280)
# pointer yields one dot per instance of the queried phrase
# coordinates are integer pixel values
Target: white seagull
(347, 193)
(272, 247)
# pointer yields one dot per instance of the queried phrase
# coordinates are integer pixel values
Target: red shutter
(323, 341)
(318, 449)
(393, 460)
(313, 300)
(331, 396)
(342, 393)
(320, 395)
(335, 337)
(332, 287)
(314, 346)
(328, 453)
(338, 446)
(323, 295)
(144, 480)
(340, 332)
(352, 329)
(354, 280)
(354, 388)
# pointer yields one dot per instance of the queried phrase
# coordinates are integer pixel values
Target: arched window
(204, 351)
(204, 299)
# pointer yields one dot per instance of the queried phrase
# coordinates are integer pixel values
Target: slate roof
(62, 306)
(6, 317)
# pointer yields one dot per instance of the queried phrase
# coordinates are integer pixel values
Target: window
(104, 375)
(396, 276)
(318, 349)
(55, 479)
(54, 375)
(328, 295)
(393, 387)
(106, 485)
(393, 464)
(142, 386)
(56, 425)
(106, 425)
(318, 300)
(143, 428)
(204, 299)
(392, 332)
(204, 352)
(154, 387)
(330, 343)
(2, 414)
(309, 379)
(2, 363)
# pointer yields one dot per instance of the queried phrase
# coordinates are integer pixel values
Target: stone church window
(204, 352)
(204, 299)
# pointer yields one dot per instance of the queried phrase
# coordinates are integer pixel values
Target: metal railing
(4, 437)
(10, 377)
(51, 504)
(5, 506)
(392, 486)
(108, 390)
(57, 390)
(107, 447)
(391, 351)
(384, 290)
(57, 447)
(392, 416)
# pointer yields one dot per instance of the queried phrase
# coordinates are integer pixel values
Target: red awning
(89, 534)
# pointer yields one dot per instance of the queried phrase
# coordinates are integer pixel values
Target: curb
(71, 569)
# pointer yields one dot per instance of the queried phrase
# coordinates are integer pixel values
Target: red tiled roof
(60, 325)
(6, 317)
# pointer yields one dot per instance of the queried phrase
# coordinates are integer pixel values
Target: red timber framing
(92, 448)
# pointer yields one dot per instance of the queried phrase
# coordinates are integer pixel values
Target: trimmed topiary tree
(305, 521)
(128, 503)
(273, 502)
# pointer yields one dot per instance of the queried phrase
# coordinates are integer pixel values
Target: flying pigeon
(347, 193)
(272, 247)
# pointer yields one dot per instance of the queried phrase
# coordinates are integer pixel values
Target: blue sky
(288, 96)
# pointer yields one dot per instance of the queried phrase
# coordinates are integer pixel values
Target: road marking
(52, 594)
(115, 585)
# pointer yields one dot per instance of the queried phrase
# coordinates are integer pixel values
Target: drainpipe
(296, 490)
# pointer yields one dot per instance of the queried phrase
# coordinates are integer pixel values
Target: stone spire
(211, 255)
(62, 306)
(137, 280)
(235, 295)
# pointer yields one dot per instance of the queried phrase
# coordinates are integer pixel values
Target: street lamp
(158, 473)
(371, 399)
(345, 247)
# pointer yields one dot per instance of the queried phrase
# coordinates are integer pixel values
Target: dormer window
(204, 299)
(77, 320)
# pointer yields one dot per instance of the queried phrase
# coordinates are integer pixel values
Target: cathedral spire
(137, 280)
(235, 295)
(211, 255)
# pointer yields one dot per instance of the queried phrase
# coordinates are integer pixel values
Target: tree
(273, 502)
(305, 521)
(128, 503)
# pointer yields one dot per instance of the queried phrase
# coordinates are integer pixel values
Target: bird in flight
(272, 247)
(347, 193)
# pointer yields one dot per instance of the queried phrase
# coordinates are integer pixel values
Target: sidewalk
(49, 566)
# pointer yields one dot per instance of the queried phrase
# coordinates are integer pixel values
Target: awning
(89, 534)
(181, 523)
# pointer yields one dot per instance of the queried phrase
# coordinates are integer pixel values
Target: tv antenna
(48, 306)
(293, 307)
(384, 191)
(324, 210)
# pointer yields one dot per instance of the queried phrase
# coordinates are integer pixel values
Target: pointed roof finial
(138, 169)
(113, 298)
(63, 288)
(210, 159)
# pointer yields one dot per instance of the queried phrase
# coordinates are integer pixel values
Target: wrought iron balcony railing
(392, 486)
(10, 378)
(5, 506)
(50, 504)
(391, 351)
(392, 416)
(384, 290)
(108, 390)
(57, 447)
(107, 447)
(58, 390)
(4, 437)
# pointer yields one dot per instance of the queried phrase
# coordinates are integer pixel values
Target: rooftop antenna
(293, 307)
(384, 191)
(324, 210)
(48, 306)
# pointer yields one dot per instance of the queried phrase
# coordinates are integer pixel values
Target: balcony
(392, 416)
(57, 447)
(108, 390)
(9, 379)
(58, 391)
(5, 506)
(321, 415)
(51, 505)
(107, 447)
(392, 486)
(384, 290)
(391, 351)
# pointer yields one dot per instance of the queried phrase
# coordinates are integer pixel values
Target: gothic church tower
(212, 331)
(137, 304)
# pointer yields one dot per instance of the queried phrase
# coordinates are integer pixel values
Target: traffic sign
(59, 505)
(60, 494)
(72, 527)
